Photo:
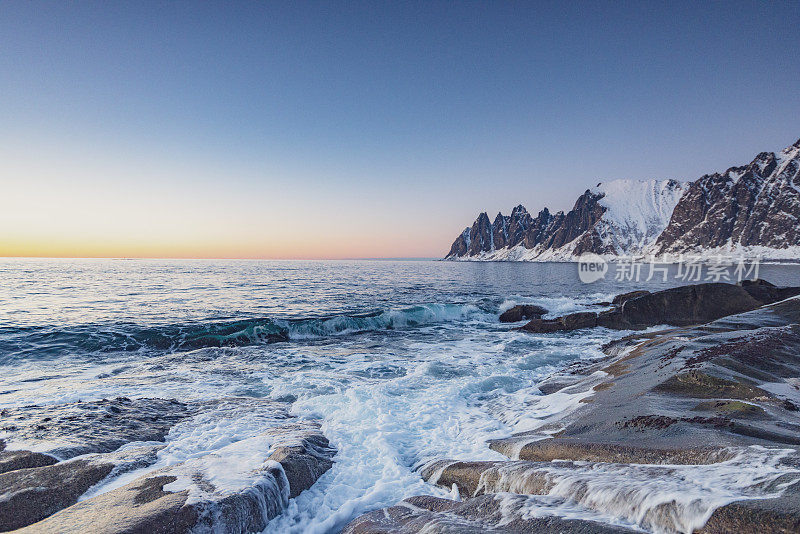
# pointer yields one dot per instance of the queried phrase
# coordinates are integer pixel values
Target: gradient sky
(297, 130)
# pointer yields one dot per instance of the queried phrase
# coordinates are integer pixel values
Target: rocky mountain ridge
(751, 210)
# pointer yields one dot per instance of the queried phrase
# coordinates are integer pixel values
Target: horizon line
(130, 258)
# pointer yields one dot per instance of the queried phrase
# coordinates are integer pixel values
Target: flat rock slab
(141, 506)
(548, 450)
(727, 383)
(300, 454)
(13, 460)
(494, 513)
(479, 478)
(30, 495)
(670, 403)
(755, 517)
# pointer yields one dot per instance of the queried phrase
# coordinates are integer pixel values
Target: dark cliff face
(473, 241)
(460, 246)
(519, 223)
(577, 222)
(754, 205)
(540, 228)
(500, 231)
(480, 235)
(549, 231)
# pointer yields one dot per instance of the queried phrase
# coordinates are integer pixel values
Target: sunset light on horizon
(369, 266)
(275, 130)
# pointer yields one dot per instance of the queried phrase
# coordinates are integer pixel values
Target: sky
(364, 129)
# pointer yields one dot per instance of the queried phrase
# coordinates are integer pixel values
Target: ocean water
(401, 362)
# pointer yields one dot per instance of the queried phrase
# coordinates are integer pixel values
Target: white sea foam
(667, 499)
(385, 431)
(392, 391)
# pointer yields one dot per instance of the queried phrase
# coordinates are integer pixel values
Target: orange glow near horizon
(207, 244)
(71, 205)
(75, 249)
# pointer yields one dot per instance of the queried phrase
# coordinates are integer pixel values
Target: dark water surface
(400, 361)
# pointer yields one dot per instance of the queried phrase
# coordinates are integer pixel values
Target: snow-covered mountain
(749, 210)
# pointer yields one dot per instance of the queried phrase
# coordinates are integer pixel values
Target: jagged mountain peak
(756, 205)
(519, 209)
(754, 209)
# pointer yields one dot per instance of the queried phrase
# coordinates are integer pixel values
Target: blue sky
(312, 129)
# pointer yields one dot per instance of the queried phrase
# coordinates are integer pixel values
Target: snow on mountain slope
(755, 207)
(615, 218)
(751, 210)
(637, 211)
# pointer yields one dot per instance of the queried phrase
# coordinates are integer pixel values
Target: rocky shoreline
(40, 492)
(686, 403)
(711, 403)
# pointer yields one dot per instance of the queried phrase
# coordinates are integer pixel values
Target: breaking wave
(20, 342)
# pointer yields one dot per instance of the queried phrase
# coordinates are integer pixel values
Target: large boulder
(576, 321)
(522, 312)
(543, 326)
(768, 293)
(680, 306)
(573, 321)
(620, 299)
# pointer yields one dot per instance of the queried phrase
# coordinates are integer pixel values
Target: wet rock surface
(522, 312)
(38, 493)
(678, 405)
(548, 450)
(141, 506)
(680, 306)
(304, 454)
(671, 374)
(573, 321)
(13, 460)
(29, 495)
(768, 293)
(755, 516)
(620, 299)
(300, 455)
(486, 513)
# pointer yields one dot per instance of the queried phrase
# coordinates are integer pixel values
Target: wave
(127, 337)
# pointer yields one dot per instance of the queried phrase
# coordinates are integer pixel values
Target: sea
(400, 362)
